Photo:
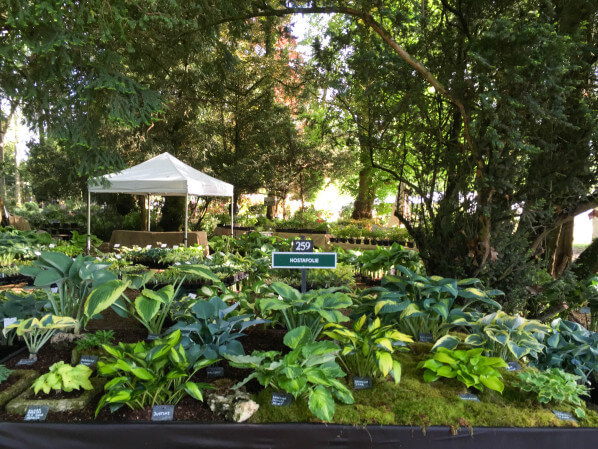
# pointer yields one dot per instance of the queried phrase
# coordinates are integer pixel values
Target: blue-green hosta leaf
(475, 340)
(412, 310)
(448, 341)
(59, 261)
(441, 309)
(321, 403)
(516, 350)
(267, 304)
(48, 277)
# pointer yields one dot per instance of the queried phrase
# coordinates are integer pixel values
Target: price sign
(303, 246)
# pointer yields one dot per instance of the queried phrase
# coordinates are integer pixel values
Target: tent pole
(88, 221)
(186, 216)
(149, 214)
(232, 216)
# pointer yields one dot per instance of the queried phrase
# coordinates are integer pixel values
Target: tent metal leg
(88, 221)
(186, 217)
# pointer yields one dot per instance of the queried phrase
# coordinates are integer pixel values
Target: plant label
(163, 413)
(88, 360)
(163, 245)
(192, 295)
(188, 263)
(469, 397)
(51, 245)
(152, 337)
(215, 371)
(303, 246)
(177, 264)
(9, 321)
(585, 310)
(425, 337)
(37, 412)
(175, 247)
(281, 399)
(54, 289)
(362, 383)
(26, 362)
(118, 256)
(513, 366)
(564, 416)
(117, 245)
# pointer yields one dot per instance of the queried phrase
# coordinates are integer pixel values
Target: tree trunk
(362, 208)
(586, 264)
(3, 128)
(562, 254)
(141, 200)
(17, 174)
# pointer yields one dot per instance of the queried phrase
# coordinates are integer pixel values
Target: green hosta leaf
(412, 310)
(298, 336)
(296, 387)
(321, 403)
(396, 371)
(146, 308)
(201, 271)
(193, 390)
(142, 373)
(446, 371)
(444, 358)
(492, 382)
(287, 292)
(430, 376)
(104, 296)
(267, 304)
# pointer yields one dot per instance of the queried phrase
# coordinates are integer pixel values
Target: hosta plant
(312, 309)
(425, 304)
(151, 308)
(509, 337)
(572, 348)
(309, 370)
(18, 306)
(212, 331)
(75, 278)
(149, 373)
(367, 348)
(36, 332)
(64, 377)
(555, 386)
(469, 367)
(4, 373)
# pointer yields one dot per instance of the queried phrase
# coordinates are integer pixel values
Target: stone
(234, 405)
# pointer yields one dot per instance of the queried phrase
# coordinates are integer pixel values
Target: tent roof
(161, 175)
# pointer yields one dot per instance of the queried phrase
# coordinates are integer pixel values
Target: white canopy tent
(162, 175)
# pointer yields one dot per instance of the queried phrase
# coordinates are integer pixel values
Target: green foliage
(571, 348)
(211, 331)
(37, 332)
(312, 309)
(64, 377)
(308, 370)
(74, 278)
(469, 367)
(366, 351)
(555, 386)
(502, 335)
(383, 259)
(425, 304)
(149, 373)
(95, 340)
(18, 306)
(4, 373)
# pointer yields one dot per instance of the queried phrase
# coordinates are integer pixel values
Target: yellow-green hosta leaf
(360, 322)
(396, 371)
(147, 308)
(384, 362)
(492, 382)
(385, 343)
(321, 403)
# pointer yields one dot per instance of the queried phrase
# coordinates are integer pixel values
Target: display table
(156, 239)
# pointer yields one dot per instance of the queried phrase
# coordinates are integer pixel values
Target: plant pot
(351, 240)
(358, 241)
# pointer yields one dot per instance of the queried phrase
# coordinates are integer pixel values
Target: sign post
(302, 257)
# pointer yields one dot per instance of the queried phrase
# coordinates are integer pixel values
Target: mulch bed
(129, 330)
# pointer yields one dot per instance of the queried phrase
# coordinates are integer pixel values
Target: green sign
(303, 260)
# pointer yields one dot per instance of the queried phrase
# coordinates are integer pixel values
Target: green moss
(416, 403)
